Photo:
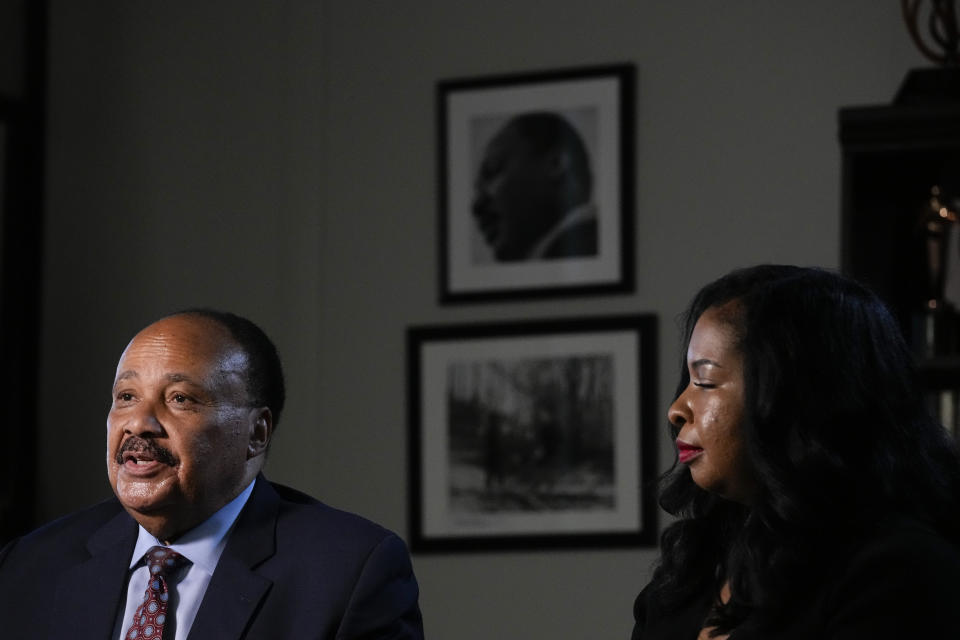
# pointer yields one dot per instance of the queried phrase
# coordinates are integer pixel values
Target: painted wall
(277, 159)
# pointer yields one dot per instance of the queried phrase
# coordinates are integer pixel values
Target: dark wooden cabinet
(900, 228)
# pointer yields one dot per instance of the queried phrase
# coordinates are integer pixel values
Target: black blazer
(903, 583)
(292, 568)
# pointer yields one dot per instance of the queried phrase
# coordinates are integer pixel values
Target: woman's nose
(679, 412)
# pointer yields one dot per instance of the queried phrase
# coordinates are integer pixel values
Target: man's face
(180, 428)
(515, 201)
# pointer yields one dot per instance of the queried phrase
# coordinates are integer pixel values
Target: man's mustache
(147, 449)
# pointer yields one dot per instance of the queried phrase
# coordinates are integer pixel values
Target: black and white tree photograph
(531, 433)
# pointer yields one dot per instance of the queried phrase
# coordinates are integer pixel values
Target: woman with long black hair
(815, 496)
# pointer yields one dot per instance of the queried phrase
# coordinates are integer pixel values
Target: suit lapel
(235, 589)
(88, 595)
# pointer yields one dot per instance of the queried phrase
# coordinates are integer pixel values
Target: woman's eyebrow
(696, 364)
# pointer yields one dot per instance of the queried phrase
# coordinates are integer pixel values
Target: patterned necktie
(151, 615)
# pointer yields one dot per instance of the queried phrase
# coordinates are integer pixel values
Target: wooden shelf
(892, 156)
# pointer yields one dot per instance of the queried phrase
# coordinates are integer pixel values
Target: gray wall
(277, 158)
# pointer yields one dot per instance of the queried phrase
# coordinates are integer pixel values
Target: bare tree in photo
(531, 434)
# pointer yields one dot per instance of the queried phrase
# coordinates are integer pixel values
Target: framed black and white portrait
(532, 434)
(536, 184)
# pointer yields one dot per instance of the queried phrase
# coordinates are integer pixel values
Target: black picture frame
(597, 255)
(532, 435)
(23, 116)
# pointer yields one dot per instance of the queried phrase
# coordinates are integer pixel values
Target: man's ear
(261, 430)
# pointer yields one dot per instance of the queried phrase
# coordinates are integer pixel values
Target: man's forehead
(188, 340)
(189, 328)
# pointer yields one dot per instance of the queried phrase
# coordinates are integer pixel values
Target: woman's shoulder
(682, 622)
(904, 577)
(903, 541)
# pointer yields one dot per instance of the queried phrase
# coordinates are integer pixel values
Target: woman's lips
(686, 453)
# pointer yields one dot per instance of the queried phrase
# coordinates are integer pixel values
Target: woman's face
(709, 412)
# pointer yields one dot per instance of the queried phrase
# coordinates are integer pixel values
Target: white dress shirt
(202, 546)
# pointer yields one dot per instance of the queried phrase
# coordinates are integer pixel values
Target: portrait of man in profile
(533, 191)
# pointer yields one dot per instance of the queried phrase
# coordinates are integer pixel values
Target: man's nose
(142, 419)
(479, 204)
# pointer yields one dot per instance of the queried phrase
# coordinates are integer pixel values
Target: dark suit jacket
(293, 567)
(902, 583)
(580, 240)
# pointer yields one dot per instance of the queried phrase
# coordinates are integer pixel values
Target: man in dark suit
(533, 191)
(196, 400)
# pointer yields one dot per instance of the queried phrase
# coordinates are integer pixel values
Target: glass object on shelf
(935, 322)
(938, 220)
(944, 406)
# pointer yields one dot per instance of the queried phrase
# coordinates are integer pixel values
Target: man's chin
(143, 495)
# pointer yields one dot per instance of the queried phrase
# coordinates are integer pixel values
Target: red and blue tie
(151, 615)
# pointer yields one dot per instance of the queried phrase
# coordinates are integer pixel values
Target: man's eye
(490, 169)
(124, 396)
(180, 398)
(705, 385)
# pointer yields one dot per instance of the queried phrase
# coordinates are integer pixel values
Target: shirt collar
(203, 544)
(570, 219)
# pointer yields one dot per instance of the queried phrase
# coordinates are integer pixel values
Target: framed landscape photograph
(532, 434)
(536, 184)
